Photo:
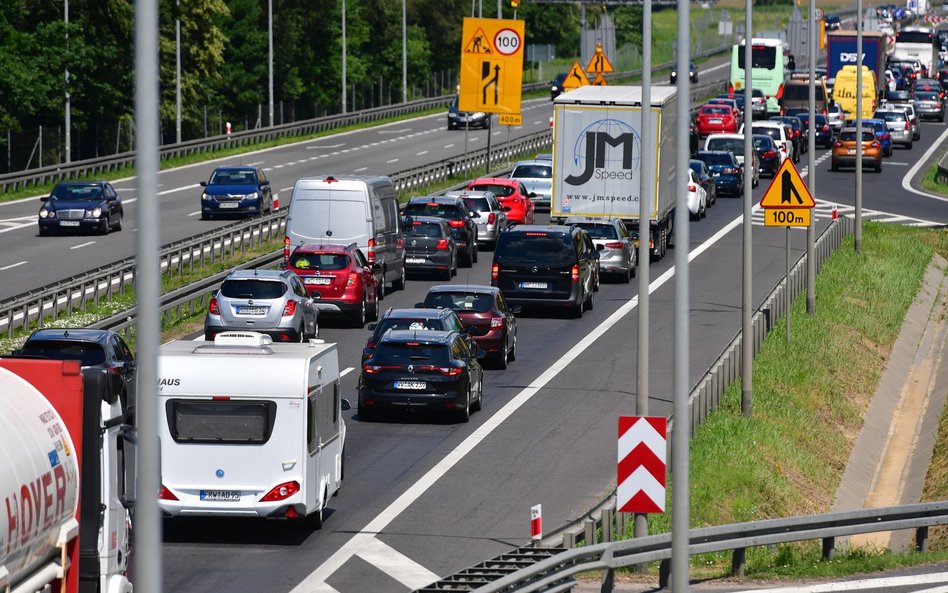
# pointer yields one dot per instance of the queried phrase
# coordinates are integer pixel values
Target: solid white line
(888, 163)
(879, 583)
(317, 147)
(400, 131)
(907, 180)
(933, 590)
(448, 145)
(86, 244)
(421, 153)
(194, 213)
(361, 169)
(416, 490)
(255, 164)
(397, 565)
(392, 161)
(19, 263)
(346, 372)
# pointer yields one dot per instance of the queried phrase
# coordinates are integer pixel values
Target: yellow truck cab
(844, 91)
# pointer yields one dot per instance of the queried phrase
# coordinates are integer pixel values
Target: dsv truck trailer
(597, 156)
(64, 525)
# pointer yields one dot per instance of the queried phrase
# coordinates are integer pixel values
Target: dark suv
(93, 348)
(414, 319)
(422, 370)
(551, 265)
(459, 217)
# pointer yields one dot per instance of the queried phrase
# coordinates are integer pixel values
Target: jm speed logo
(605, 149)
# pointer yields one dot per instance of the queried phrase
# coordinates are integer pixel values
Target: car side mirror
(203, 184)
(475, 214)
(345, 405)
(371, 327)
(533, 194)
(516, 309)
(600, 247)
(45, 198)
(480, 353)
(376, 268)
(367, 353)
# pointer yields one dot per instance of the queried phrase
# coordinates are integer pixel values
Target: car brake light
(372, 369)
(826, 128)
(371, 254)
(450, 371)
(353, 278)
(574, 274)
(286, 250)
(497, 322)
(614, 245)
(874, 144)
(213, 308)
(494, 271)
(908, 126)
(780, 93)
(886, 137)
(442, 244)
(289, 309)
(838, 144)
(769, 154)
(165, 494)
(456, 223)
(730, 87)
(692, 188)
(281, 491)
(491, 218)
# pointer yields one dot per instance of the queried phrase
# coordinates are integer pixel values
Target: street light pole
(811, 163)
(404, 53)
(68, 95)
(177, 73)
(344, 56)
(270, 55)
(747, 294)
(857, 239)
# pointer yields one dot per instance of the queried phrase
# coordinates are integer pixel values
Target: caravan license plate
(251, 310)
(541, 285)
(318, 280)
(416, 385)
(220, 495)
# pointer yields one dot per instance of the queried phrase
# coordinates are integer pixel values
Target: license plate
(68, 223)
(416, 385)
(251, 310)
(414, 260)
(229, 204)
(533, 285)
(715, 175)
(714, 121)
(317, 280)
(220, 495)
(852, 151)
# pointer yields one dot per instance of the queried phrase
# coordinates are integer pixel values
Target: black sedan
(824, 133)
(768, 154)
(236, 191)
(726, 171)
(458, 119)
(81, 206)
(429, 246)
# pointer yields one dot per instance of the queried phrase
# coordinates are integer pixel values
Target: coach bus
(769, 59)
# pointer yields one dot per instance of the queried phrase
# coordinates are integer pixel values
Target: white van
(249, 428)
(349, 209)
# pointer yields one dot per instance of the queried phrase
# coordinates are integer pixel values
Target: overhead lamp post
(344, 56)
(177, 73)
(404, 54)
(270, 55)
(68, 105)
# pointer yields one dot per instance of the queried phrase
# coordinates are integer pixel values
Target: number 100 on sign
(787, 217)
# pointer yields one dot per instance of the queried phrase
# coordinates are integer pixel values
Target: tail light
(286, 250)
(886, 137)
(213, 308)
(826, 128)
(692, 188)
(614, 245)
(874, 144)
(838, 144)
(498, 322)
(449, 371)
(730, 171)
(779, 92)
(908, 126)
(289, 309)
(456, 223)
(494, 271)
(165, 494)
(353, 278)
(371, 255)
(281, 491)
(769, 155)
(442, 244)
(491, 218)
(372, 369)
(730, 87)
(574, 274)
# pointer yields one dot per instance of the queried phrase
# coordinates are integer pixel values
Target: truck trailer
(841, 51)
(597, 155)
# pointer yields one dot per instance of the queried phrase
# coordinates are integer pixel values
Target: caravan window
(221, 421)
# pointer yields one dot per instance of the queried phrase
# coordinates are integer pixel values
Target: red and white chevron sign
(642, 450)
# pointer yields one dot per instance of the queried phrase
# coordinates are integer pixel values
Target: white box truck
(249, 428)
(597, 157)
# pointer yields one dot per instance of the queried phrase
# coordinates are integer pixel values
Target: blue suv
(235, 191)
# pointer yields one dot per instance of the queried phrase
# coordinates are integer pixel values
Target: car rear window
(252, 288)
(867, 136)
(88, 354)
(411, 353)
(599, 231)
(423, 229)
(415, 323)
(531, 171)
(447, 211)
(501, 191)
(477, 204)
(927, 96)
(890, 115)
(763, 142)
(319, 261)
(735, 145)
(548, 249)
(461, 301)
(772, 132)
(717, 159)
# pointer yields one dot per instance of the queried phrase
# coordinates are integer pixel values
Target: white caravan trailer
(249, 428)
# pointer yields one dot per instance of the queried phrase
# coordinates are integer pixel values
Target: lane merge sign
(787, 201)
(491, 65)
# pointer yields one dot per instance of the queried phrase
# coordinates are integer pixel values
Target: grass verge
(931, 183)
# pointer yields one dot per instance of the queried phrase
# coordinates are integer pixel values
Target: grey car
(912, 115)
(615, 244)
(272, 302)
(488, 214)
(898, 123)
(929, 106)
(537, 177)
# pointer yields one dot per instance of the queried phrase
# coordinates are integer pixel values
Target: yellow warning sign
(491, 66)
(600, 80)
(478, 43)
(786, 217)
(787, 190)
(575, 78)
(599, 62)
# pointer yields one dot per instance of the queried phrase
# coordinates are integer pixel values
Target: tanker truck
(64, 519)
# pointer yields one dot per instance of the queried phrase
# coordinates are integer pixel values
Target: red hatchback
(347, 284)
(513, 196)
(716, 119)
(486, 316)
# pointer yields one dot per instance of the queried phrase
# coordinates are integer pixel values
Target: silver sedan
(616, 246)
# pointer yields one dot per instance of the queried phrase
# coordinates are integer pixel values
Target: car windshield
(88, 354)
(77, 192)
(252, 288)
(501, 191)
(532, 171)
(927, 96)
(423, 229)
(477, 204)
(234, 177)
(598, 231)
(448, 211)
(717, 159)
(548, 249)
(319, 261)
(850, 136)
(411, 353)
(461, 301)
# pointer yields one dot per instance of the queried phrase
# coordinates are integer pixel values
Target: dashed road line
(81, 245)
(11, 266)
(195, 213)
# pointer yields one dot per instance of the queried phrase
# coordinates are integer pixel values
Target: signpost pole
(747, 320)
(811, 163)
(857, 239)
(490, 124)
(786, 286)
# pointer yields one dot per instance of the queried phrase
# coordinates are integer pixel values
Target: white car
(778, 132)
(697, 197)
(836, 117)
(735, 143)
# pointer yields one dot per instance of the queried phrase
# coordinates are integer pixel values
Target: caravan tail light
(692, 188)
(289, 309)
(165, 494)
(213, 308)
(281, 491)
(491, 218)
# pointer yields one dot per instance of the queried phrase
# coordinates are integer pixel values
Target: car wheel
(909, 145)
(879, 168)
(105, 226)
(206, 216)
(468, 258)
(501, 358)
(208, 337)
(478, 404)
(512, 356)
(833, 167)
(447, 274)
(43, 232)
(361, 313)
(118, 224)
(399, 284)
(695, 216)
(464, 414)
(315, 520)
(302, 332)
(578, 309)
(588, 303)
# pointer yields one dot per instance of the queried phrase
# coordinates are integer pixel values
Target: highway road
(424, 497)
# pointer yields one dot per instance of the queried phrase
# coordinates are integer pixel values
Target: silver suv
(272, 302)
(615, 244)
(487, 213)
(897, 121)
(537, 177)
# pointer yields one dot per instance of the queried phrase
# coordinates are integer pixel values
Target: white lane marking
(415, 491)
(934, 590)
(361, 169)
(81, 245)
(907, 180)
(194, 213)
(421, 153)
(19, 263)
(397, 565)
(254, 164)
(399, 131)
(346, 371)
(448, 145)
(887, 163)
(880, 583)
(286, 188)
(392, 161)
(318, 147)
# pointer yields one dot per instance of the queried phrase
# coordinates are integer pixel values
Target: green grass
(809, 401)
(931, 183)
